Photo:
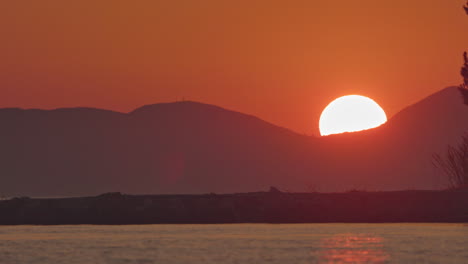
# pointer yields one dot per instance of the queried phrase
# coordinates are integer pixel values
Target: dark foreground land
(261, 207)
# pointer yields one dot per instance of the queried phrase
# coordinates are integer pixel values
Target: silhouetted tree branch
(464, 70)
(454, 164)
(464, 73)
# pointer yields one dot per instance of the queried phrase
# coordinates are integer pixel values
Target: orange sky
(282, 61)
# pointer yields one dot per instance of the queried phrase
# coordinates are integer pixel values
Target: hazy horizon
(281, 62)
(312, 133)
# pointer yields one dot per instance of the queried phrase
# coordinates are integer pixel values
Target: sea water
(236, 243)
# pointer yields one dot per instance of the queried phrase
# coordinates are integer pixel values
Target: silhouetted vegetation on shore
(260, 207)
(454, 162)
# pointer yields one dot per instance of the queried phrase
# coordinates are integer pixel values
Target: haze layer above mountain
(189, 147)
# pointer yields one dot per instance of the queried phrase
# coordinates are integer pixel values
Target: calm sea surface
(246, 243)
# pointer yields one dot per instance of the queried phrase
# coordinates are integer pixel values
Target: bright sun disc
(351, 113)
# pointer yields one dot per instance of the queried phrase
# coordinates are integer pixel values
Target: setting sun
(351, 113)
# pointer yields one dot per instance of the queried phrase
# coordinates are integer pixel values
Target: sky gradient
(282, 61)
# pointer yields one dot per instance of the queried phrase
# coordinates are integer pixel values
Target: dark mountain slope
(188, 147)
(398, 154)
(178, 147)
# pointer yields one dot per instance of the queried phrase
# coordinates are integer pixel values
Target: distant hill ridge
(190, 147)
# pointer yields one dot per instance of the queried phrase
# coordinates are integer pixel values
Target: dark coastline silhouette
(260, 207)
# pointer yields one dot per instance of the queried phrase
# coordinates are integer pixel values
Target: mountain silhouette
(398, 154)
(189, 147)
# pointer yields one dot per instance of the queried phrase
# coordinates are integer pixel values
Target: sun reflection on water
(353, 248)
